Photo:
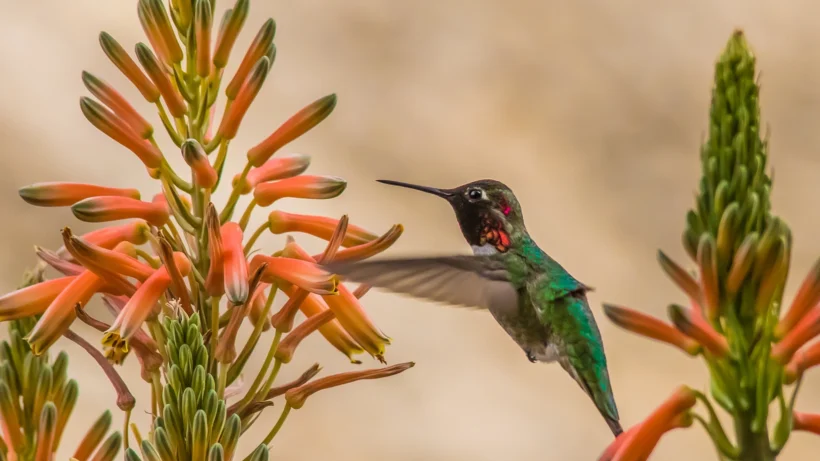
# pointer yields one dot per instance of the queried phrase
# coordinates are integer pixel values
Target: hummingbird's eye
(475, 194)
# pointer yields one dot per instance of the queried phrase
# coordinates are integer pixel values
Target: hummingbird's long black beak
(444, 193)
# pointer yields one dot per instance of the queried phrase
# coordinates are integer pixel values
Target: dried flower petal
(260, 45)
(127, 66)
(281, 222)
(118, 130)
(651, 327)
(52, 194)
(296, 397)
(104, 209)
(306, 186)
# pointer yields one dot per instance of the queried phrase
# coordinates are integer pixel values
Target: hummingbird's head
(487, 211)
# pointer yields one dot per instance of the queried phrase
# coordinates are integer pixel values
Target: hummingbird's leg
(530, 356)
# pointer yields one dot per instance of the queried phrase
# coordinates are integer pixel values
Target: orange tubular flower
(294, 127)
(281, 222)
(108, 237)
(678, 275)
(118, 130)
(140, 306)
(215, 281)
(348, 311)
(196, 158)
(259, 47)
(104, 209)
(803, 332)
(701, 332)
(127, 66)
(114, 100)
(806, 422)
(285, 350)
(176, 106)
(637, 444)
(369, 249)
(807, 297)
(203, 18)
(651, 327)
(805, 358)
(303, 274)
(157, 12)
(232, 24)
(312, 187)
(114, 282)
(32, 300)
(151, 29)
(257, 305)
(285, 166)
(59, 315)
(52, 194)
(122, 260)
(296, 397)
(235, 266)
(250, 88)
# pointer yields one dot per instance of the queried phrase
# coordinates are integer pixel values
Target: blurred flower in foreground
(179, 275)
(742, 253)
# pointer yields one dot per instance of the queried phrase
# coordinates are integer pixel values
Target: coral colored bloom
(296, 126)
(805, 358)
(121, 260)
(296, 397)
(285, 350)
(203, 19)
(115, 283)
(247, 93)
(117, 103)
(54, 260)
(31, 300)
(108, 237)
(215, 281)
(67, 194)
(281, 222)
(235, 266)
(685, 321)
(285, 166)
(258, 48)
(806, 422)
(196, 158)
(231, 25)
(806, 298)
(151, 28)
(651, 327)
(369, 249)
(59, 314)
(118, 130)
(678, 275)
(803, 332)
(303, 274)
(128, 67)
(311, 187)
(176, 105)
(104, 209)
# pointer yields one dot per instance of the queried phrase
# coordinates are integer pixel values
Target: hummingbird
(537, 302)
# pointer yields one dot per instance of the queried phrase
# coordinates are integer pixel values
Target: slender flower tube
(203, 19)
(260, 45)
(805, 358)
(117, 103)
(296, 397)
(115, 282)
(806, 298)
(803, 332)
(806, 422)
(651, 327)
(53, 194)
(303, 274)
(151, 29)
(369, 249)
(215, 281)
(204, 174)
(286, 349)
(118, 130)
(176, 105)
(306, 186)
(281, 222)
(121, 260)
(257, 306)
(93, 437)
(135, 232)
(228, 34)
(157, 11)
(31, 300)
(59, 315)
(128, 67)
(294, 127)
(247, 93)
(104, 209)
(285, 166)
(235, 266)
(702, 332)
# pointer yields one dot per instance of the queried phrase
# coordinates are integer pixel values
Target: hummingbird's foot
(531, 356)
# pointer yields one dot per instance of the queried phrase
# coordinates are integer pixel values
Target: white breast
(484, 250)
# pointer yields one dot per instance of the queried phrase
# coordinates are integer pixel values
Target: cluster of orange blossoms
(180, 263)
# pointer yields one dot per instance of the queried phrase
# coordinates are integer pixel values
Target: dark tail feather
(614, 426)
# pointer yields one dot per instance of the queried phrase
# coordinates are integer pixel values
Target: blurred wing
(470, 281)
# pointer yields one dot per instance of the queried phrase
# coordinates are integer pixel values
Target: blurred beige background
(591, 110)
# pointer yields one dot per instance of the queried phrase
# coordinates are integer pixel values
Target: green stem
(269, 383)
(166, 122)
(227, 212)
(278, 425)
(214, 329)
(245, 354)
(246, 216)
(223, 379)
(256, 234)
(258, 380)
(125, 429)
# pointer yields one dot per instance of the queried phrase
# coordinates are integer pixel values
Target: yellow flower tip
(194, 155)
(322, 227)
(105, 209)
(247, 93)
(258, 48)
(296, 126)
(700, 331)
(203, 19)
(172, 97)
(118, 130)
(128, 67)
(229, 30)
(296, 397)
(305, 186)
(53, 194)
(282, 167)
(650, 327)
(117, 103)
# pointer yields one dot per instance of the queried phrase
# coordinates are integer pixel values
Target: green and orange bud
(46, 432)
(163, 25)
(135, 232)
(105, 209)
(246, 94)
(296, 397)
(109, 449)
(93, 437)
(285, 166)
(741, 264)
(151, 28)
(803, 332)
(53, 194)
(306, 186)
(172, 97)
(806, 422)
(128, 67)
(285, 350)
(700, 331)
(707, 263)
(680, 276)
(257, 307)
(305, 275)
(369, 249)
(117, 103)
(118, 130)
(204, 174)
(203, 21)
(258, 49)
(806, 298)
(121, 260)
(235, 266)
(231, 26)
(115, 282)
(215, 281)
(281, 222)
(806, 357)
(31, 300)
(294, 127)
(651, 327)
